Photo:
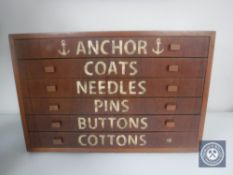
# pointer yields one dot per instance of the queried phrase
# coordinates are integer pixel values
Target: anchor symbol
(158, 50)
(63, 51)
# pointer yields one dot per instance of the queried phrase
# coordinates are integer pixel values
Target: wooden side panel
(206, 85)
(21, 90)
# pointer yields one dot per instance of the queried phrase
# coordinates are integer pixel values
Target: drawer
(86, 47)
(113, 106)
(113, 123)
(146, 67)
(114, 140)
(146, 87)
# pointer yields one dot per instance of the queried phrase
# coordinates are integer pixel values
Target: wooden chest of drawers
(113, 91)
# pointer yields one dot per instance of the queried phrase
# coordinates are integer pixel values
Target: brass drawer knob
(173, 68)
(172, 88)
(49, 69)
(169, 140)
(56, 124)
(170, 123)
(171, 107)
(58, 140)
(53, 107)
(175, 47)
(51, 88)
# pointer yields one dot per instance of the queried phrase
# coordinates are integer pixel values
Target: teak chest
(113, 91)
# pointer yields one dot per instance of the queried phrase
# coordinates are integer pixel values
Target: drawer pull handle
(172, 88)
(53, 107)
(57, 140)
(56, 124)
(169, 140)
(51, 88)
(49, 69)
(171, 107)
(170, 123)
(175, 47)
(173, 68)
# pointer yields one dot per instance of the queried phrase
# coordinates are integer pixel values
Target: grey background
(106, 15)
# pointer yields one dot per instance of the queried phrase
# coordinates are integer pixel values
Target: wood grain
(86, 106)
(48, 47)
(147, 67)
(175, 102)
(154, 139)
(154, 88)
(154, 122)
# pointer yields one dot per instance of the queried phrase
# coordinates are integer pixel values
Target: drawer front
(115, 87)
(114, 140)
(147, 67)
(113, 123)
(151, 46)
(113, 106)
